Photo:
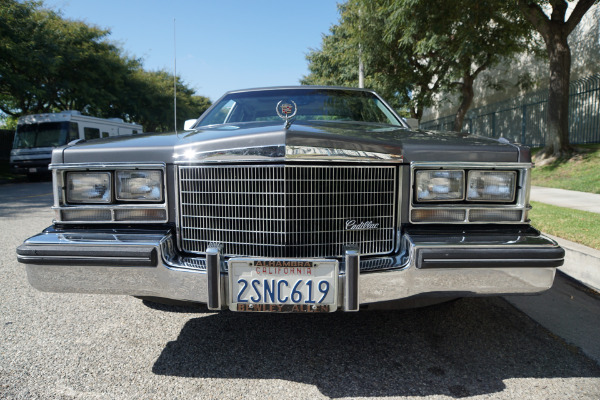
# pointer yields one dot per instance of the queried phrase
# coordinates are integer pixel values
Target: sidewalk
(582, 263)
(566, 198)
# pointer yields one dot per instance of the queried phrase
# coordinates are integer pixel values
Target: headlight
(88, 187)
(139, 185)
(439, 185)
(491, 186)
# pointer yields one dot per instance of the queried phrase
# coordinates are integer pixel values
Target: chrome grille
(287, 210)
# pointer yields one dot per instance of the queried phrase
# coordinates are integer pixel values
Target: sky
(220, 45)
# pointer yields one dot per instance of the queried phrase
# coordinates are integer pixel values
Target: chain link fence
(523, 119)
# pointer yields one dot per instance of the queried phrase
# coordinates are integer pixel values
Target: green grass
(577, 226)
(581, 172)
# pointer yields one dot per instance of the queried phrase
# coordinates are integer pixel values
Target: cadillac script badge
(361, 225)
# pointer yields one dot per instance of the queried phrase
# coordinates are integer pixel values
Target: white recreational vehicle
(38, 134)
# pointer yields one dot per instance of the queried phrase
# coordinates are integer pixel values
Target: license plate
(283, 285)
(32, 170)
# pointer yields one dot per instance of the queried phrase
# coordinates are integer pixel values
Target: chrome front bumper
(145, 263)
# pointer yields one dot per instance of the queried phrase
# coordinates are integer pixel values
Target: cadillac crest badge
(286, 110)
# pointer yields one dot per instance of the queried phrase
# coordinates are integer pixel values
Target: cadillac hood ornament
(286, 109)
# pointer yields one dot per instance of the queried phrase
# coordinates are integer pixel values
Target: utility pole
(361, 69)
(174, 79)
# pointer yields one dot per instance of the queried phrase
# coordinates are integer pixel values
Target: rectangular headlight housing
(497, 186)
(89, 187)
(139, 185)
(439, 185)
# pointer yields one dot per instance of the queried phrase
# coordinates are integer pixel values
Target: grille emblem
(355, 226)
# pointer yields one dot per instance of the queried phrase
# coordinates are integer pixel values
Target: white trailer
(38, 134)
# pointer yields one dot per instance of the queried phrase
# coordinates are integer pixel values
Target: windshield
(44, 134)
(309, 105)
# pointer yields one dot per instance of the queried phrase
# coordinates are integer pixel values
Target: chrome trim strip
(418, 241)
(82, 258)
(186, 154)
(279, 153)
(57, 188)
(471, 165)
(452, 260)
(308, 153)
(112, 165)
(399, 198)
(98, 206)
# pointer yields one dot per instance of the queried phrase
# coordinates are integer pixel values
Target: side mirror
(187, 125)
(412, 122)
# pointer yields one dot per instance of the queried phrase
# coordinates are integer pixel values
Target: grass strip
(575, 225)
(580, 172)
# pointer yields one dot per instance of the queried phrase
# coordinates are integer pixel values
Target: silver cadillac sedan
(292, 199)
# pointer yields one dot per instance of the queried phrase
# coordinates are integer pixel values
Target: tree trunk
(416, 113)
(555, 31)
(466, 100)
(559, 55)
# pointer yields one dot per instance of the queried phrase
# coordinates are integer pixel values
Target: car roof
(302, 87)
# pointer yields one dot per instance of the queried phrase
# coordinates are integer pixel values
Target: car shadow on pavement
(459, 349)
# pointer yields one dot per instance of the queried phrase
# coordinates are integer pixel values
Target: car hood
(343, 141)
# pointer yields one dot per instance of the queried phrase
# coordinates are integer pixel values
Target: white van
(38, 134)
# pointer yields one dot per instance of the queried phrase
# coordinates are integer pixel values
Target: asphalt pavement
(73, 346)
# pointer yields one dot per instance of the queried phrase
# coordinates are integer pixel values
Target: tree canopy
(414, 49)
(50, 64)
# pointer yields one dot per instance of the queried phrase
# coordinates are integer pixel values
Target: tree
(23, 55)
(402, 72)
(461, 38)
(414, 49)
(555, 30)
(150, 101)
(336, 62)
(49, 64)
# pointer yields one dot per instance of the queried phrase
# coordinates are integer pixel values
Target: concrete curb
(582, 263)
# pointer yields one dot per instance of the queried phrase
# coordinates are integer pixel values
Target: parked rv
(38, 134)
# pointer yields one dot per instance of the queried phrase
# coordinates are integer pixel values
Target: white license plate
(283, 285)
(33, 170)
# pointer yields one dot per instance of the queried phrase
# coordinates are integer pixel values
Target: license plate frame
(281, 276)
